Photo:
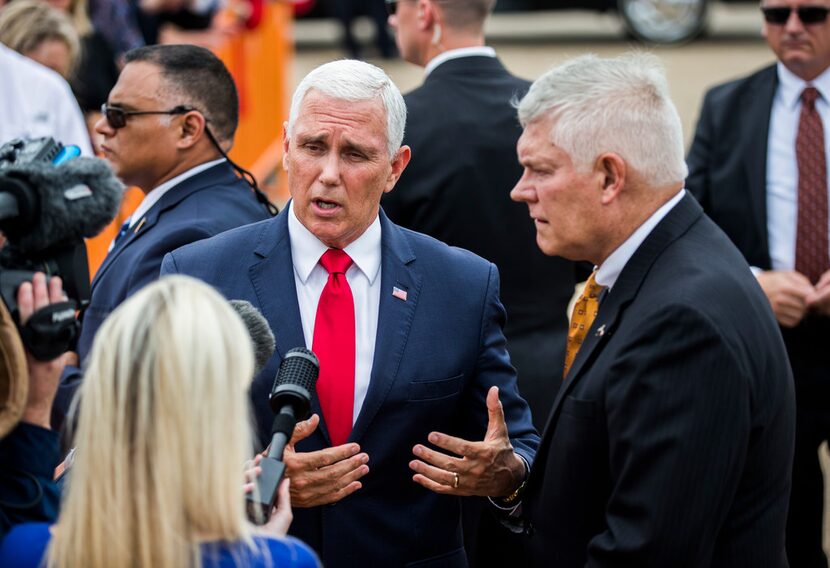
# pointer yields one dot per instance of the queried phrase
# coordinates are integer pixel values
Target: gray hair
(618, 105)
(352, 80)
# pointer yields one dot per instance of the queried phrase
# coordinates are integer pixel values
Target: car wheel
(664, 21)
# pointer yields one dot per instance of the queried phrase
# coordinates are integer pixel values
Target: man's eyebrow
(361, 148)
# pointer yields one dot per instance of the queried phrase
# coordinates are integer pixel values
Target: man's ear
(285, 144)
(192, 129)
(399, 163)
(612, 170)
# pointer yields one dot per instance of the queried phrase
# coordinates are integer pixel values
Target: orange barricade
(260, 62)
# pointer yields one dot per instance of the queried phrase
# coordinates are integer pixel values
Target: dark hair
(201, 77)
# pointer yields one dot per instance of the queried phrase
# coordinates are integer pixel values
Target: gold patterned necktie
(585, 310)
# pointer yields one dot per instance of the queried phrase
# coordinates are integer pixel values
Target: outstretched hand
(325, 476)
(489, 468)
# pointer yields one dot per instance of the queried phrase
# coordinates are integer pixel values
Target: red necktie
(334, 331)
(811, 249)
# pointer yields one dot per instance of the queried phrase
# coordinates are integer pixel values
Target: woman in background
(163, 431)
(34, 29)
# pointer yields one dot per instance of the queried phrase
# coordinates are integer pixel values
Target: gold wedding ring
(455, 481)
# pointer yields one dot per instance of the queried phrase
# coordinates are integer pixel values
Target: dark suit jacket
(670, 443)
(437, 354)
(463, 130)
(28, 456)
(727, 174)
(204, 205)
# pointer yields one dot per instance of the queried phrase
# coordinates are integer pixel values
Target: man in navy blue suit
(166, 128)
(427, 373)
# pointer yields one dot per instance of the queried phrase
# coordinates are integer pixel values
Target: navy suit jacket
(728, 175)
(437, 354)
(670, 442)
(202, 206)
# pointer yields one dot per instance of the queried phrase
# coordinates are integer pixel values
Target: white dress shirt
(35, 101)
(782, 169)
(480, 51)
(364, 280)
(609, 271)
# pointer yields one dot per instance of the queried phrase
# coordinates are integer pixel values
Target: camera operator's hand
(43, 375)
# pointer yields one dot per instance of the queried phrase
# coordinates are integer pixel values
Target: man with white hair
(671, 439)
(416, 403)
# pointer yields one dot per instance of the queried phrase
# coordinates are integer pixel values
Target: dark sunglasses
(392, 6)
(807, 14)
(117, 117)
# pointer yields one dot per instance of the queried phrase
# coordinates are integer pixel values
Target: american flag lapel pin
(399, 293)
(601, 331)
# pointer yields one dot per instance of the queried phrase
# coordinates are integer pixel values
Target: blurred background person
(758, 165)
(347, 10)
(163, 431)
(38, 31)
(36, 101)
(95, 72)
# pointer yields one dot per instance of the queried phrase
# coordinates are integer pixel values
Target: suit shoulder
(231, 242)
(725, 92)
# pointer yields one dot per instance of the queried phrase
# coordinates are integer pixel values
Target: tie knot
(335, 261)
(809, 96)
(592, 289)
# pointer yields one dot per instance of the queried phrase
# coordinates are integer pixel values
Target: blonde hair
(80, 17)
(162, 434)
(25, 24)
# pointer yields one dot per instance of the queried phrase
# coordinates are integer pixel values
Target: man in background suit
(463, 130)
(168, 124)
(758, 166)
(407, 329)
(670, 441)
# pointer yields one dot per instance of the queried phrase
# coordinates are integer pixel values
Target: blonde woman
(163, 431)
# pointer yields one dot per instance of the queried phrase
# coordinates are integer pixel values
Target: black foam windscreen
(295, 382)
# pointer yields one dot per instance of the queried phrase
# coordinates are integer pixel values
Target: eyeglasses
(117, 117)
(392, 6)
(779, 15)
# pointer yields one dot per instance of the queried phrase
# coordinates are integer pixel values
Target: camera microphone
(43, 204)
(291, 401)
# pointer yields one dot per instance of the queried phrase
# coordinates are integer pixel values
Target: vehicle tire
(664, 21)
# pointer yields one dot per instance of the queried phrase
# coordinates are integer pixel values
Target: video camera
(50, 200)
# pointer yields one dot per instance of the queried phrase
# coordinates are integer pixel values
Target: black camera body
(50, 200)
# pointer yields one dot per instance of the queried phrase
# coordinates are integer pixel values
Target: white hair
(352, 80)
(618, 105)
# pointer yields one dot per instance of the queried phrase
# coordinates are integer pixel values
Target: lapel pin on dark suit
(399, 293)
(140, 224)
(601, 331)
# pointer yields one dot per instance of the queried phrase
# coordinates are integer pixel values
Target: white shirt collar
(481, 51)
(306, 249)
(790, 86)
(158, 192)
(610, 270)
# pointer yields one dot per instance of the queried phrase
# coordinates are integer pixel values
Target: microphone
(43, 204)
(291, 401)
(259, 330)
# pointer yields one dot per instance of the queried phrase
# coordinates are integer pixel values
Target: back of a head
(26, 24)
(352, 80)
(618, 105)
(466, 15)
(163, 431)
(199, 79)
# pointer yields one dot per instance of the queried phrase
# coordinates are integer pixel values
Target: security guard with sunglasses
(166, 128)
(758, 165)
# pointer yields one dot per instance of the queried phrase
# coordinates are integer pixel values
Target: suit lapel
(218, 174)
(755, 132)
(394, 320)
(672, 226)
